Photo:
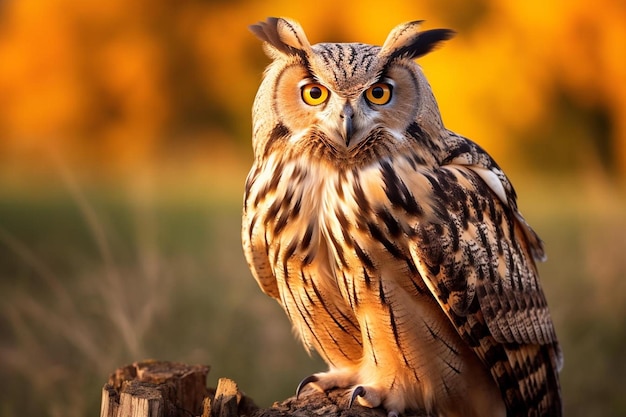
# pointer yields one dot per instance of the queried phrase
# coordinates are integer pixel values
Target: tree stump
(155, 389)
(169, 389)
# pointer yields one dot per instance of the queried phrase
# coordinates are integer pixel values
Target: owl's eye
(379, 93)
(314, 94)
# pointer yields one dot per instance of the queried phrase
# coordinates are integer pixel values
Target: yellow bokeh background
(110, 86)
(125, 142)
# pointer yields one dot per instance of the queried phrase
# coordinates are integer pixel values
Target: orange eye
(379, 93)
(314, 94)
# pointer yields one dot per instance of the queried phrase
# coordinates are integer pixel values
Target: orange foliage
(120, 83)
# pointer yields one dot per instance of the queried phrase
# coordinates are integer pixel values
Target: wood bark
(170, 389)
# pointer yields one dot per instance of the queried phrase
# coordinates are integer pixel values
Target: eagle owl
(394, 245)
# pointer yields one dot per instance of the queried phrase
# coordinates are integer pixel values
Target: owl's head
(343, 101)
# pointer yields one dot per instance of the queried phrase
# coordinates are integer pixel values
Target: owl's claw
(306, 381)
(359, 391)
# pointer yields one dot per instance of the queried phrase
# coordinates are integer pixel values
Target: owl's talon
(393, 413)
(306, 381)
(359, 391)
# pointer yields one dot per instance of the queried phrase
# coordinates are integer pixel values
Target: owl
(395, 246)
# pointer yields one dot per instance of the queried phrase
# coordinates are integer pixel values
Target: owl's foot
(369, 397)
(325, 381)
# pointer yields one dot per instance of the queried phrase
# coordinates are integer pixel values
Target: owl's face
(343, 110)
(341, 100)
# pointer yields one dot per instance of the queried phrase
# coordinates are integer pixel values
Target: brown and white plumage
(394, 245)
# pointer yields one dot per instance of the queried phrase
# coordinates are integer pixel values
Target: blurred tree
(118, 83)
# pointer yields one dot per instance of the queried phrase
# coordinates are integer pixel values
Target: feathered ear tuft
(407, 41)
(281, 36)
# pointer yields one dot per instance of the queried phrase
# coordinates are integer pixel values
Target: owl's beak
(347, 113)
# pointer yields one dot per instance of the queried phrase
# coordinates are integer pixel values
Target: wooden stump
(169, 389)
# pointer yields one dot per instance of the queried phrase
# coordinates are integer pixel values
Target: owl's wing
(479, 249)
(475, 254)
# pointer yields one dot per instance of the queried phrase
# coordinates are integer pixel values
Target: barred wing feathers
(476, 257)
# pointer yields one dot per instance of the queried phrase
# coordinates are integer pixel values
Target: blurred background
(124, 146)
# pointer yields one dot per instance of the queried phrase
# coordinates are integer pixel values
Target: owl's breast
(356, 215)
(288, 203)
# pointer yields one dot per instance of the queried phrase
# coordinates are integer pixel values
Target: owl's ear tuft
(281, 36)
(407, 41)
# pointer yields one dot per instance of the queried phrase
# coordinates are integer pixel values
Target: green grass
(92, 281)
